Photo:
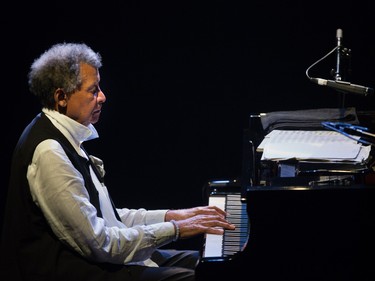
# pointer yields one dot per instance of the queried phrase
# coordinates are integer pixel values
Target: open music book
(312, 145)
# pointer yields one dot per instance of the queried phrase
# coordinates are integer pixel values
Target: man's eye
(95, 92)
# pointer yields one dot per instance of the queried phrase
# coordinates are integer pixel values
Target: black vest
(30, 250)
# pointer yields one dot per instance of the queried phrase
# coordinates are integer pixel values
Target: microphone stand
(342, 87)
(337, 73)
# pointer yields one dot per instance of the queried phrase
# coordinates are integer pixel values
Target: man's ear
(60, 100)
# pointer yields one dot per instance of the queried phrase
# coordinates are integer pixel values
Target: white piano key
(213, 242)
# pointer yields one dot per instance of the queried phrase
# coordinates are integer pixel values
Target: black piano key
(234, 240)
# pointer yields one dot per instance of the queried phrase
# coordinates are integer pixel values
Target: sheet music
(316, 145)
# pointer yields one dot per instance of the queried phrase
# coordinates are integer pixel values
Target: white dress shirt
(57, 187)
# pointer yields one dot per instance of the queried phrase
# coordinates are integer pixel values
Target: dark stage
(182, 78)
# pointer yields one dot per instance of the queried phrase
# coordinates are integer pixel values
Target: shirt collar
(78, 132)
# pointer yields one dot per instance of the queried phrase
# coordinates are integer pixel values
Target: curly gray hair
(59, 67)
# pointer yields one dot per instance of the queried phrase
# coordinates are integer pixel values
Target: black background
(181, 79)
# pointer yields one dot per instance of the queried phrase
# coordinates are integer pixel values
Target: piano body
(293, 230)
(300, 233)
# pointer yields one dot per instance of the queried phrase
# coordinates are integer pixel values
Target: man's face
(84, 105)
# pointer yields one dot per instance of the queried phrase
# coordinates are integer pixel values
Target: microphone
(344, 86)
(338, 54)
(339, 36)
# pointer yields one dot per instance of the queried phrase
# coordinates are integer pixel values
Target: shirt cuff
(155, 216)
(164, 233)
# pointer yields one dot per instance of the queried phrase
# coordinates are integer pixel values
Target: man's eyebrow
(91, 87)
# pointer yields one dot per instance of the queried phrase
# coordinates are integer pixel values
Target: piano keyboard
(232, 241)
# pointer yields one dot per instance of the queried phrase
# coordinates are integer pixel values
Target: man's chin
(94, 121)
(95, 117)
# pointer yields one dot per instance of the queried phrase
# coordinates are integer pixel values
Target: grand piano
(292, 232)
